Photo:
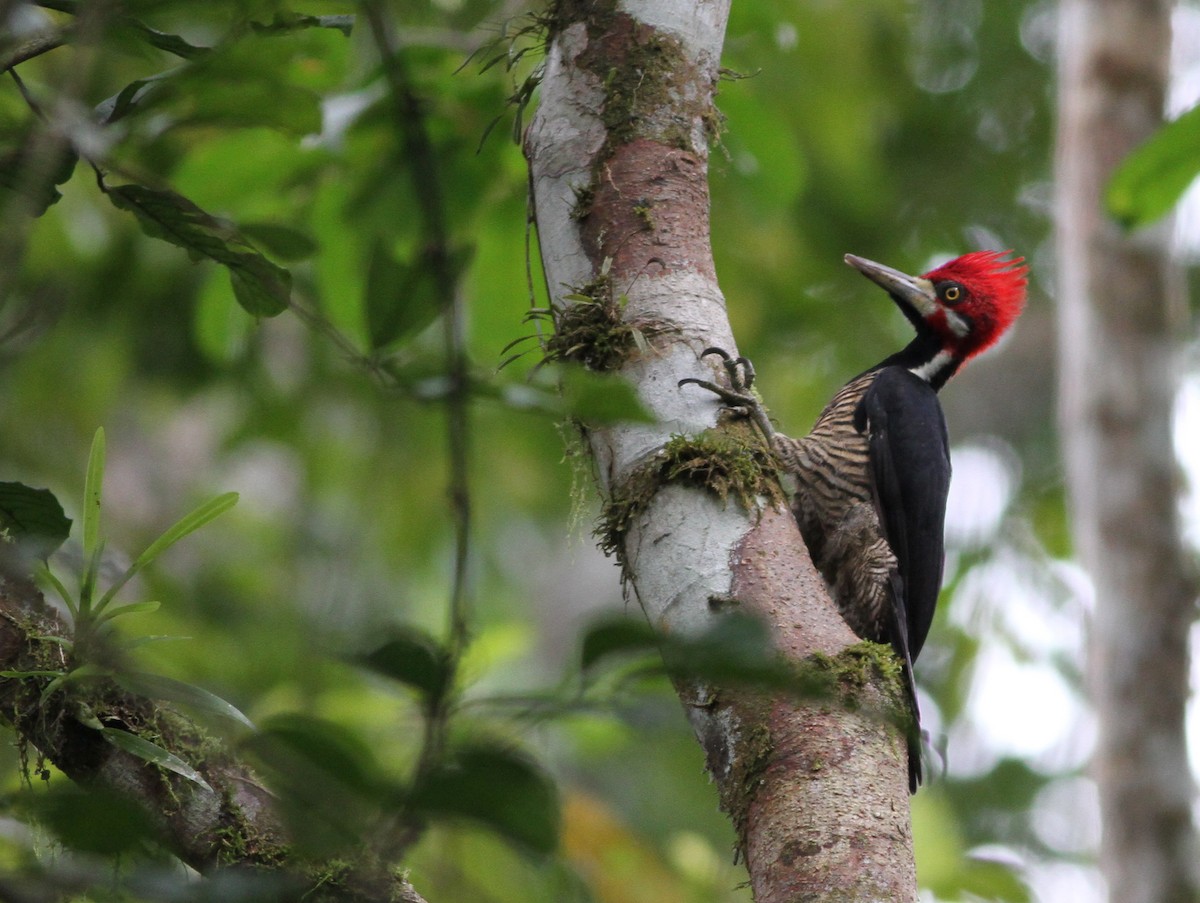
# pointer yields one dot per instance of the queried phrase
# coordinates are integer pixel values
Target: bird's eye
(952, 293)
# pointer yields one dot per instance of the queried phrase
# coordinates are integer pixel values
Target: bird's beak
(914, 292)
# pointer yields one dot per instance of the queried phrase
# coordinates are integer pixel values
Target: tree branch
(232, 822)
(30, 47)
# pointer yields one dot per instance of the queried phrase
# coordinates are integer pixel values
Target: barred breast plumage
(836, 512)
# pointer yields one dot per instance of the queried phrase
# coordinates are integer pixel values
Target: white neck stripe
(928, 370)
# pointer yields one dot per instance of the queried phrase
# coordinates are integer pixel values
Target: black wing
(909, 453)
(910, 477)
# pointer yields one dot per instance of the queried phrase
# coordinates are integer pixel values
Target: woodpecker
(873, 474)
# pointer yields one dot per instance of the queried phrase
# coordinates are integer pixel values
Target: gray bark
(618, 161)
(1118, 349)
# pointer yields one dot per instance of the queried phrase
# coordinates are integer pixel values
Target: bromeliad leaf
(133, 608)
(189, 523)
(159, 687)
(261, 287)
(154, 754)
(33, 519)
(93, 492)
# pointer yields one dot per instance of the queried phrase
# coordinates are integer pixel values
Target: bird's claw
(738, 395)
(731, 397)
(740, 370)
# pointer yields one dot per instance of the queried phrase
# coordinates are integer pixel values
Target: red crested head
(979, 296)
(958, 309)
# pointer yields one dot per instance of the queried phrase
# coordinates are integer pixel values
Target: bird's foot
(738, 395)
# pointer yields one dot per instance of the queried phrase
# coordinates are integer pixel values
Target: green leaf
(617, 636)
(601, 399)
(154, 754)
(328, 783)
(93, 491)
(501, 788)
(413, 658)
(401, 298)
(242, 83)
(282, 242)
(736, 648)
(1151, 179)
(327, 748)
(158, 686)
(29, 178)
(261, 287)
(189, 523)
(92, 821)
(33, 519)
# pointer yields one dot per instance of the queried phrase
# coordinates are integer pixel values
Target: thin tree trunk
(618, 157)
(1118, 351)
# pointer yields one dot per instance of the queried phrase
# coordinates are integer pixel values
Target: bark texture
(1118, 296)
(618, 154)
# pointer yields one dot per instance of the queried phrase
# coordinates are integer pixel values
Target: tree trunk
(1119, 349)
(618, 153)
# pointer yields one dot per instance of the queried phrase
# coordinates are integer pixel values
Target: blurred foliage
(1150, 181)
(259, 139)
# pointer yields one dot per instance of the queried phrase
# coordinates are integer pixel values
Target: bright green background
(902, 132)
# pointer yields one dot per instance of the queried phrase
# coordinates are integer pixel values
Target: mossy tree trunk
(618, 153)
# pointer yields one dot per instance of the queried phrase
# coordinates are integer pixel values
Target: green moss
(753, 749)
(239, 843)
(732, 461)
(645, 212)
(842, 678)
(836, 681)
(643, 94)
(582, 205)
(648, 79)
(329, 877)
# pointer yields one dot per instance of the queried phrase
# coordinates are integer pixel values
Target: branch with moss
(220, 817)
